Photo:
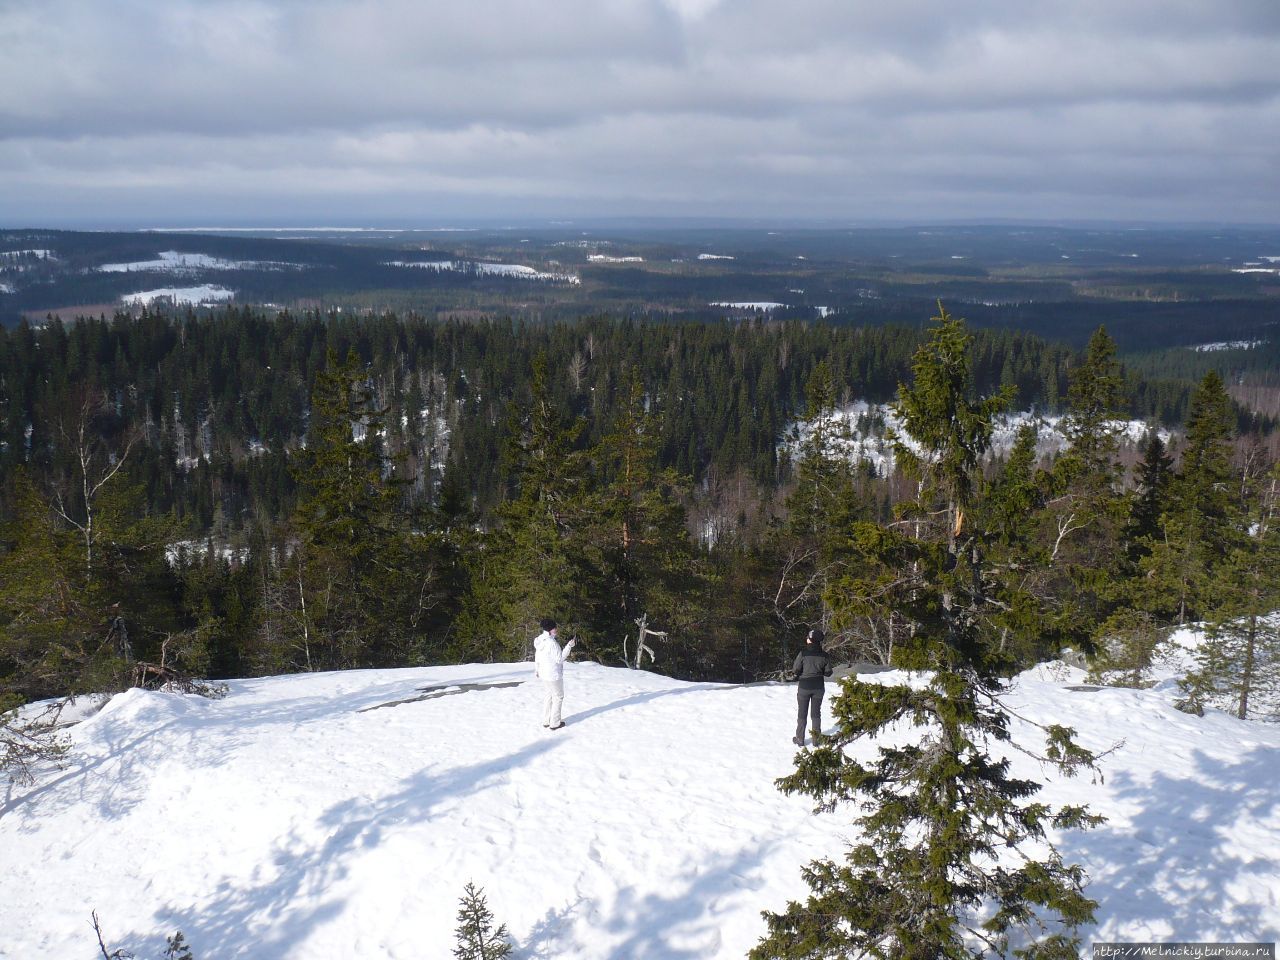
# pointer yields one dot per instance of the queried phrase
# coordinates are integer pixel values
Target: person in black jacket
(812, 667)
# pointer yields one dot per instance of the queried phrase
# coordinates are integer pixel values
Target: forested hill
(224, 397)
(239, 494)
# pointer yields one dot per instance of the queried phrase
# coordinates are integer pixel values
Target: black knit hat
(547, 624)
(816, 636)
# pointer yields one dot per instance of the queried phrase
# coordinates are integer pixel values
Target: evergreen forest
(241, 493)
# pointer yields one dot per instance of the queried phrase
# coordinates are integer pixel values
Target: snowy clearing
(200, 549)
(516, 270)
(1228, 345)
(23, 254)
(339, 816)
(605, 258)
(714, 256)
(747, 304)
(171, 261)
(860, 429)
(203, 294)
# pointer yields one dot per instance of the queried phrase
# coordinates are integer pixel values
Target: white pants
(552, 701)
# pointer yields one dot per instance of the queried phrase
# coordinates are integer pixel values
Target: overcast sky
(181, 111)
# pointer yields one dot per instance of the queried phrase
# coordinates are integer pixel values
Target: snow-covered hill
(339, 816)
(861, 431)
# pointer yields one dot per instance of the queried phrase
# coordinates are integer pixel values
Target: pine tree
(935, 874)
(476, 938)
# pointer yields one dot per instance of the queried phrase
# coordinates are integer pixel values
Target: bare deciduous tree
(97, 462)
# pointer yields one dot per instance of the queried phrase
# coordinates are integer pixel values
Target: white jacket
(548, 658)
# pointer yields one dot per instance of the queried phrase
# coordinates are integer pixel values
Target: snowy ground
(764, 305)
(171, 261)
(519, 271)
(316, 817)
(860, 430)
(203, 294)
(1228, 345)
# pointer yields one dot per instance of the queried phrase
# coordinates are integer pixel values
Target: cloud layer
(1148, 109)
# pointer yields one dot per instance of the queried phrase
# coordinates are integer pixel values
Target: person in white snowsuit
(548, 667)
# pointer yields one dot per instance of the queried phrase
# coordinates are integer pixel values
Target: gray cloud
(1161, 109)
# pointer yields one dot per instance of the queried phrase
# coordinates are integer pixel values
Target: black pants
(810, 702)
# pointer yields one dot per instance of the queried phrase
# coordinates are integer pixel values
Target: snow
(7, 288)
(1255, 270)
(714, 256)
(171, 261)
(339, 815)
(496, 269)
(860, 429)
(199, 549)
(1175, 658)
(605, 258)
(19, 254)
(748, 304)
(1228, 345)
(206, 293)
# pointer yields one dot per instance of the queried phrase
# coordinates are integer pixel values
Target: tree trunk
(1246, 676)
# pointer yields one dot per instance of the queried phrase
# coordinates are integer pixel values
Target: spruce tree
(1094, 399)
(528, 567)
(476, 938)
(1079, 527)
(947, 863)
(633, 532)
(1150, 497)
(1238, 664)
(346, 591)
(821, 505)
(56, 634)
(177, 948)
(1197, 524)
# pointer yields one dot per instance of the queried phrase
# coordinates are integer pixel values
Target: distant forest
(221, 400)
